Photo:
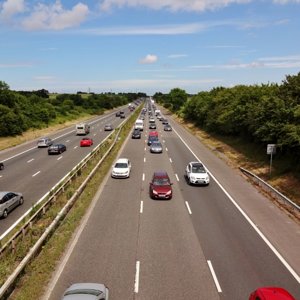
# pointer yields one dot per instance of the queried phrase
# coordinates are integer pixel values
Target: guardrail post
(13, 246)
(23, 232)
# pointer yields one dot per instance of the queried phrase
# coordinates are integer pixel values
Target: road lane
(17, 175)
(212, 253)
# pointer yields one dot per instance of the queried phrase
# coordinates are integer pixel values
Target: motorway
(217, 242)
(31, 171)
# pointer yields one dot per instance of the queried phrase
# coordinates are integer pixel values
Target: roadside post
(271, 149)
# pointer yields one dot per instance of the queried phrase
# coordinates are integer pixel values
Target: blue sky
(147, 45)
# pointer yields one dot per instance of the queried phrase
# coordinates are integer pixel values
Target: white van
(139, 124)
(82, 129)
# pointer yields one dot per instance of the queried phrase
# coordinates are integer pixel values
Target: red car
(160, 186)
(271, 293)
(86, 142)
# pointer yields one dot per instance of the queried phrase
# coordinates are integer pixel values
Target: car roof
(196, 163)
(161, 174)
(122, 160)
(80, 286)
(274, 293)
(2, 193)
(153, 133)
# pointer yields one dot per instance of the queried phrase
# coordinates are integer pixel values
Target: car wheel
(21, 201)
(189, 181)
(5, 213)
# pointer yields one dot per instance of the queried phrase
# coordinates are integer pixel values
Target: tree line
(261, 114)
(23, 110)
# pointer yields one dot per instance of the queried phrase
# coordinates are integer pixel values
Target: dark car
(152, 126)
(167, 127)
(117, 114)
(1, 165)
(57, 149)
(136, 134)
(160, 186)
(151, 139)
(165, 121)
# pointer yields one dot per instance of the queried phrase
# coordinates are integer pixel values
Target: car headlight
(169, 192)
(154, 192)
(193, 178)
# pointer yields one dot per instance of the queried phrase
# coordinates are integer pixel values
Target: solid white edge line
(214, 276)
(137, 277)
(279, 256)
(142, 207)
(188, 207)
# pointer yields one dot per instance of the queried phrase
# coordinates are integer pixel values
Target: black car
(57, 149)
(136, 134)
(1, 165)
(118, 114)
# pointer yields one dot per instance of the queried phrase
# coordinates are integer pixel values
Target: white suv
(196, 173)
(121, 168)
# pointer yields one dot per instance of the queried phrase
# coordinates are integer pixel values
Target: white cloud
(177, 55)
(172, 5)
(10, 8)
(267, 62)
(15, 65)
(55, 17)
(286, 1)
(170, 29)
(149, 59)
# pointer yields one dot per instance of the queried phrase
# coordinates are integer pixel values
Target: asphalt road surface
(221, 241)
(31, 171)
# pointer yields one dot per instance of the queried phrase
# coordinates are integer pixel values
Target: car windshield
(161, 181)
(198, 169)
(121, 165)
(156, 144)
(83, 292)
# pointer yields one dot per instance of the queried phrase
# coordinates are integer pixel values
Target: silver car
(86, 291)
(8, 201)
(156, 147)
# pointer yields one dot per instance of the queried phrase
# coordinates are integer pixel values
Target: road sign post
(271, 149)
